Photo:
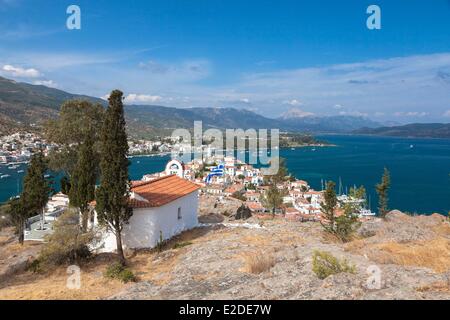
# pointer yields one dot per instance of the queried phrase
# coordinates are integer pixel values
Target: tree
(328, 207)
(273, 199)
(82, 189)
(36, 188)
(78, 119)
(348, 223)
(382, 190)
(281, 174)
(19, 215)
(112, 195)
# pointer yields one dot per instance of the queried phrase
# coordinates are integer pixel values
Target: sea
(420, 169)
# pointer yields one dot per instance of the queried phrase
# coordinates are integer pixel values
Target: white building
(163, 207)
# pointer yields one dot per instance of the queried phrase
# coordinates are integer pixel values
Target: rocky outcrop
(214, 268)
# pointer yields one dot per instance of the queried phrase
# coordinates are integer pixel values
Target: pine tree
(113, 193)
(82, 189)
(382, 190)
(36, 188)
(328, 207)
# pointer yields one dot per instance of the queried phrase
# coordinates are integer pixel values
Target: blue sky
(265, 56)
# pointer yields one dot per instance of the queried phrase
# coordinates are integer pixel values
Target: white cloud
(133, 98)
(47, 83)
(411, 114)
(293, 102)
(19, 72)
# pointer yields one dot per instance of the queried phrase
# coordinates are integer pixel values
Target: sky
(264, 56)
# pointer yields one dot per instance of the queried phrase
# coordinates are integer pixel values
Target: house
(162, 208)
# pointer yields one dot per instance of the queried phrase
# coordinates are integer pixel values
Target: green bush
(182, 244)
(325, 264)
(35, 266)
(119, 272)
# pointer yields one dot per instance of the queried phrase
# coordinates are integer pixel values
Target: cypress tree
(82, 189)
(113, 193)
(36, 188)
(19, 215)
(382, 190)
(328, 207)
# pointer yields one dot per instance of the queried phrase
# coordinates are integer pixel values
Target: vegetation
(18, 216)
(113, 193)
(343, 226)
(238, 195)
(324, 264)
(382, 190)
(258, 262)
(78, 121)
(347, 224)
(273, 199)
(119, 272)
(68, 243)
(180, 245)
(328, 208)
(82, 189)
(243, 212)
(34, 196)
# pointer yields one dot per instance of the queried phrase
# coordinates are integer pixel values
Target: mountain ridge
(413, 130)
(24, 105)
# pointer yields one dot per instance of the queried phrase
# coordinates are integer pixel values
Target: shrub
(35, 266)
(259, 262)
(67, 244)
(182, 244)
(325, 264)
(119, 272)
(243, 213)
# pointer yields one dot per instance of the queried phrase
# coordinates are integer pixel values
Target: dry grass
(258, 262)
(434, 254)
(52, 285)
(441, 286)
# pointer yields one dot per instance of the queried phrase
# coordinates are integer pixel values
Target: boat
(20, 171)
(47, 176)
(313, 149)
(5, 176)
(13, 167)
(411, 146)
(293, 149)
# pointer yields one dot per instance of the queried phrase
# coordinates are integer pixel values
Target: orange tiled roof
(161, 191)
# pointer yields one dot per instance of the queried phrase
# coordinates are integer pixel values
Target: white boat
(5, 176)
(47, 176)
(292, 149)
(20, 171)
(13, 167)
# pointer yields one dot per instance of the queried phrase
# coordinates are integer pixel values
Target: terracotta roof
(161, 191)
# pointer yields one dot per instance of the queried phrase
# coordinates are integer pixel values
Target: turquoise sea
(420, 169)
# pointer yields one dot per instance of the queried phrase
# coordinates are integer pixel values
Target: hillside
(415, 130)
(257, 259)
(24, 105)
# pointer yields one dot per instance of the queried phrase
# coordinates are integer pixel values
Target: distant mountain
(415, 130)
(329, 124)
(295, 113)
(24, 105)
